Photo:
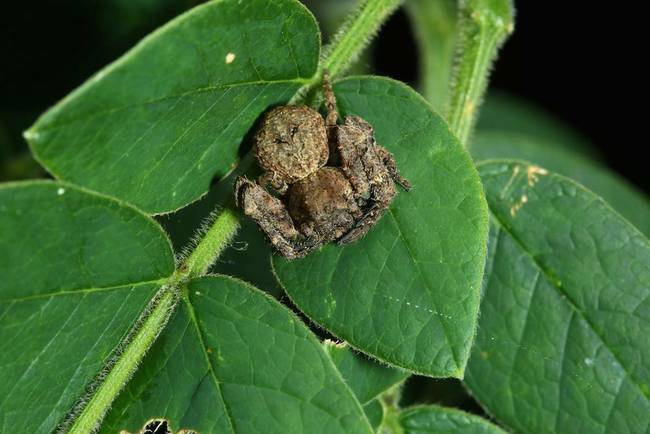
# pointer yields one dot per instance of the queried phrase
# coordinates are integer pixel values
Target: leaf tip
(31, 134)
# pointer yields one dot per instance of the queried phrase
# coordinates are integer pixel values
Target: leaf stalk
(355, 34)
(484, 26)
(126, 362)
(209, 247)
(389, 401)
(350, 40)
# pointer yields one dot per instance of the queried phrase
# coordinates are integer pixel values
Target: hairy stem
(355, 34)
(349, 42)
(215, 239)
(484, 26)
(126, 364)
(434, 24)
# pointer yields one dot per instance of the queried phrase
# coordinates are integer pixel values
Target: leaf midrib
(75, 291)
(58, 124)
(217, 383)
(572, 304)
(443, 324)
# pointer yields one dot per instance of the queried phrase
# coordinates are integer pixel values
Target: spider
(333, 181)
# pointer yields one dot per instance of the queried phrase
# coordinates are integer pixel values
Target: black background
(578, 60)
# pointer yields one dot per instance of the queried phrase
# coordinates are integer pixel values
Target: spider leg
(372, 172)
(361, 227)
(389, 162)
(381, 196)
(273, 218)
(330, 101)
(354, 144)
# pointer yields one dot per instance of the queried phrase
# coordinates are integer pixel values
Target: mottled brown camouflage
(317, 204)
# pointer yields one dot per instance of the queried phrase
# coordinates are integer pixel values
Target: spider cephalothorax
(317, 204)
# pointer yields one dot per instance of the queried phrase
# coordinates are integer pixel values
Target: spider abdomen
(323, 204)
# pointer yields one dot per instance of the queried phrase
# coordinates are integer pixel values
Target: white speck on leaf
(197, 292)
(518, 205)
(60, 191)
(589, 362)
(532, 173)
(230, 57)
(515, 172)
(417, 306)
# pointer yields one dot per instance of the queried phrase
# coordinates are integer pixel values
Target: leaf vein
(211, 88)
(569, 300)
(75, 291)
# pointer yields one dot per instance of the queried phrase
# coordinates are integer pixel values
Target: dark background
(583, 64)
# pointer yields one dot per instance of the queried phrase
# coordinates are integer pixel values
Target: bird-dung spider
(333, 181)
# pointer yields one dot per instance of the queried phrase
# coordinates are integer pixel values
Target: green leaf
(623, 197)
(77, 271)
(565, 316)
(504, 112)
(366, 377)
(232, 359)
(432, 419)
(407, 293)
(374, 412)
(157, 125)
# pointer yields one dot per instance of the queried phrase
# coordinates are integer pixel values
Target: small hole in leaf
(157, 426)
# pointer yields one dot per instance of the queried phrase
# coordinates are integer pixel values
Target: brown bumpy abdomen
(323, 204)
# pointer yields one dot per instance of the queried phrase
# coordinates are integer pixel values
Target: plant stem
(484, 26)
(126, 364)
(355, 34)
(389, 402)
(214, 240)
(434, 24)
(349, 42)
